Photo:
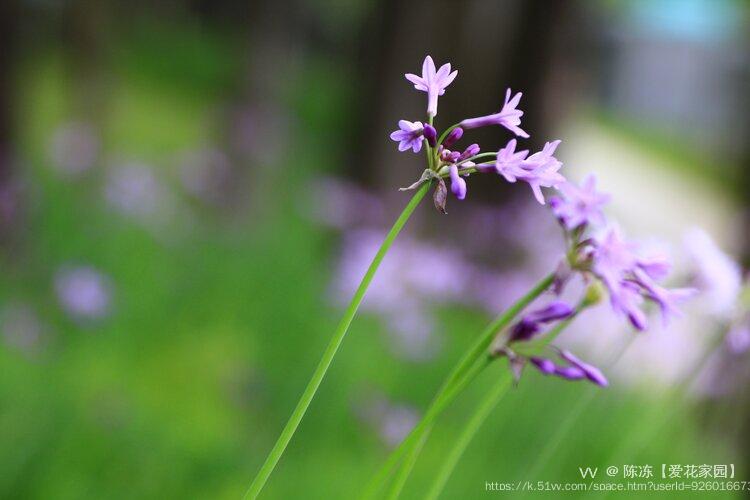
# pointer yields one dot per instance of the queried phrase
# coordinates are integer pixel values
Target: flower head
(630, 279)
(409, 135)
(579, 206)
(433, 82)
(508, 117)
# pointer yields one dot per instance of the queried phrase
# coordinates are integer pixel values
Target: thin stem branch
(472, 427)
(469, 358)
(320, 371)
(432, 413)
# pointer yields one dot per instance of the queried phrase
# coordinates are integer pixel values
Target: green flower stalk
(333, 346)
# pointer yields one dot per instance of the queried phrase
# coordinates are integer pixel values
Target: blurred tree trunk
(9, 192)
(85, 30)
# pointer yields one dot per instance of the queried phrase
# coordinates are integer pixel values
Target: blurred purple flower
(207, 175)
(629, 279)
(544, 365)
(592, 373)
(344, 205)
(391, 420)
(574, 369)
(531, 324)
(579, 206)
(132, 189)
(738, 338)
(433, 82)
(409, 135)
(83, 292)
(21, 327)
(508, 117)
(717, 275)
(74, 148)
(412, 277)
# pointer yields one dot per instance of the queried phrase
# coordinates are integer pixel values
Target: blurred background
(191, 190)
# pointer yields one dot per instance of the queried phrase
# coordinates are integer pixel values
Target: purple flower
(453, 137)
(738, 339)
(449, 156)
(431, 135)
(409, 135)
(509, 117)
(538, 170)
(542, 170)
(592, 373)
(579, 206)
(531, 324)
(508, 163)
(470, 151)
(458, 185)
(613, 258)
(630, 279)
(84, 292)
(666, 299)
(573, 369)
(717, 275)
(433, 82)
(544, 365)
(569, 372)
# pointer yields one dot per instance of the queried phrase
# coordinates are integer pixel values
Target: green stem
(481, 414)
(469, 358)
(472, 427)
(432, 413)
(330, 351)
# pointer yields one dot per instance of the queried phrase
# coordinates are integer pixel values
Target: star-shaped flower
(433, 82)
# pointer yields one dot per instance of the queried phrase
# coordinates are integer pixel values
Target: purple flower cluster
(596, 251)
(631, 279)
(539, 170)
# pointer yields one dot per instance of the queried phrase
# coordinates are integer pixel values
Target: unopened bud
(453, 137)
(430, 134)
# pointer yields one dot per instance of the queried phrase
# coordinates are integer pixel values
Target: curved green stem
(330, 351)
(412, 438)
(472, 427)
(480, 155)
(469, 358)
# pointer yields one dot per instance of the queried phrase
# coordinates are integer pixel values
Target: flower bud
(469, 152)
(453, 137)
(430, 134)
(594, 294)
